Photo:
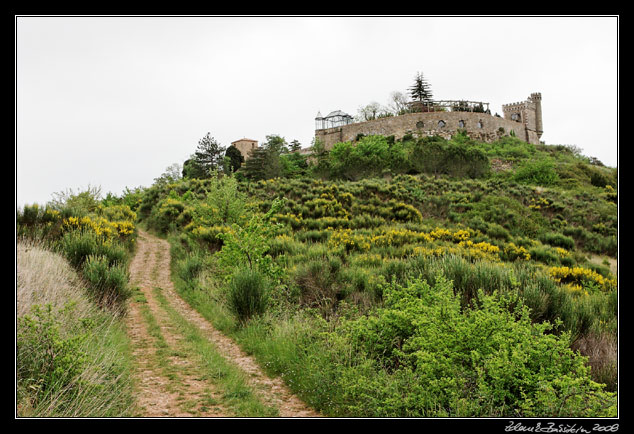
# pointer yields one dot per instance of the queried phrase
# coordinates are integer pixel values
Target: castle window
(461, 123)
(441, 124)
(420, 125)
(479, 124)
(516, 117)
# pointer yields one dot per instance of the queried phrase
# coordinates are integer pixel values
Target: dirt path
(169, 382)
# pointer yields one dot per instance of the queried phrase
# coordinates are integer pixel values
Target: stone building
(529, 113)
(245, 146)
(522, 119)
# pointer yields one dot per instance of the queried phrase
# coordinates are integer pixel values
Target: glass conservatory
(333, 119)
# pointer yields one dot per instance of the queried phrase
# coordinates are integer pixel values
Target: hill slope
(319, 275)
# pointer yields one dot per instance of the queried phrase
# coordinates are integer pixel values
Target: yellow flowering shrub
(562, 253)
(514, 252)
(366, 259)
(482, 250)
(538, 203)
(405, 212)
(208, 234)
(582, 277)
(429, 252)
(344, 238)
(326, 206)
(101, 226)
(119, 213)
(295, 221)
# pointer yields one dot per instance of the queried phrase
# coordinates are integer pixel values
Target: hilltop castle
(443, 118)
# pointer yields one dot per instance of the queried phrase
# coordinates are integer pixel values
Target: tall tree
(275, 143)
(295, 146)
(209, 154)
(264, 162)
(235, 158)
(421, 90)
(191, 169)
(370, 112)
(398, 104)
(172, 173)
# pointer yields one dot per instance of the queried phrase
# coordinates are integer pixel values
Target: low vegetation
(72, 358)
(336, 277)
(72, 355)
(420, 277)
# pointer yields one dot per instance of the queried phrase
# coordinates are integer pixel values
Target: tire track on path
(161, 391)
(151, 273)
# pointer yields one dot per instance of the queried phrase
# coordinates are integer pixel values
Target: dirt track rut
(168, 383)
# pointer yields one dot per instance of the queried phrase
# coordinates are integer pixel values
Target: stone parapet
(479, 126)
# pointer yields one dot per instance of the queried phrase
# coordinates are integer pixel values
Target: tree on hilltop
(264, 162)
(399, 103)
(235, 158)
(209, 155)
(421, 90)
(191, 169)
(295, 146)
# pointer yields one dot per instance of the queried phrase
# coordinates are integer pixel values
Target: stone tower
(528, 113)
(245, 146)
(536, 98)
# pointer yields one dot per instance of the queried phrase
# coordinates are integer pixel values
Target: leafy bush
(368, 157)
(109, 283)
(443, 361)
(248, 244)
(46, 359)
(248, 293)
(78, 245)
(456, 158)
(540, 172)
(558, 240)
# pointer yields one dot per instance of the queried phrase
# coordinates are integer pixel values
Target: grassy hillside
(72, 350)
(387, 278)
(421, 277)
(72, 357)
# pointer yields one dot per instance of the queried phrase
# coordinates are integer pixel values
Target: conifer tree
(421, 90)
(209, 154)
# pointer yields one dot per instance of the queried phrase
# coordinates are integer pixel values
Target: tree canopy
(235, 158)
(209, 154)
(421, 90)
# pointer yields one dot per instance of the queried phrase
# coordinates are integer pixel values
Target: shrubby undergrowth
(413, 277)
(335, 279)
(72, 358)
(71, 355)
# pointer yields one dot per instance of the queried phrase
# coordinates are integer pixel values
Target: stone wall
(479, 126)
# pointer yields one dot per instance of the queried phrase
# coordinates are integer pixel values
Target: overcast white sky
(113, 101)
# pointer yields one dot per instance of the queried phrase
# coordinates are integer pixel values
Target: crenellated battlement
(515, 105)
(528, 112)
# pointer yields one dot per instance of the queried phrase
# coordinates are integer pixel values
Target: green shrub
(316, 279)
(46, 358)
(190, 267)
(497, 231)
(558, 240)
(540, 172)
(78, 245)
(109, 283)
(544, 254)
(248, 294)
(29, 216)
(444, 361)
